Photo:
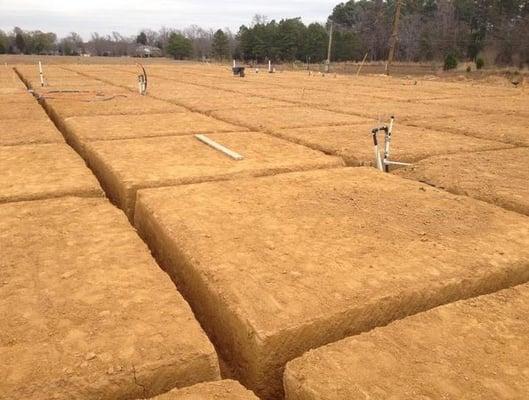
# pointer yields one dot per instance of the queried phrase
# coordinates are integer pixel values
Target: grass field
(301, 244)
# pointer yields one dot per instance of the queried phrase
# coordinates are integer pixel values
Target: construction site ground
(139, 261)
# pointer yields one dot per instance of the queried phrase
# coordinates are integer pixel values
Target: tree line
(435, 29)
(497, 30)
(291, 40)
(191, 42)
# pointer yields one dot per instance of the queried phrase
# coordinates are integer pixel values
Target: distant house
(144, 51)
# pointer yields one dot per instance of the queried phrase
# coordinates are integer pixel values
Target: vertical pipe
(387, 144)
(329, 48)
(41, 74)
(378, 161)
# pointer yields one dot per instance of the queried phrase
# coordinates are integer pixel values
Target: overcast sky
(130, 16)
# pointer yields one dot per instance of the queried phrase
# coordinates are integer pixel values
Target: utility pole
(394, 35)
(328, 62)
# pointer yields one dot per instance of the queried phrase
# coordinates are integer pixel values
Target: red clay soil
(472, 349)
(220, 390)
(41, 171)
(29, 131)
(113, 104)
(513, 105)
(86, 312)
(124, 166)
(20, 111)
(504, 128)
(354, 143)
(224, 101)
(80, 130)
(276, 118)
(498, 177)
(278, 265)
(10, 91)
(20, 97)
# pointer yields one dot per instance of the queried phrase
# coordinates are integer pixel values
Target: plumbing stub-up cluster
(142, 81)
(382, 161)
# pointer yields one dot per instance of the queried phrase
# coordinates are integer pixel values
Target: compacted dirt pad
(29, 131)
(221, 390)
(472, 349)
(278, 265)
(503, 128)
(354, 143)
(272, 266)
(111, 104)
(276, 118)
(86, 312)
(20, 111)
(40, 171)
(79, 130)
(498, 177)
(124, 166)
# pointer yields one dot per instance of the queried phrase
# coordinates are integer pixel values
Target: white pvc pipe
(41, 74)
(378, 159)
(387, 143)
(269, 65)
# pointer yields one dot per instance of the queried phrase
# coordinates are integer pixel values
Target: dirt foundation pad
(473, 349)
(16, 98)
(409, 144)
(21, 111)
(504, 128)
(86, 312)
(497, 177)
(125, 166)
(278, 265)
(276, 118)
(514, 105)
(29, 131)
(83, 129)
(42, 171)
(115, 104)
(221, 390)
(226, 101)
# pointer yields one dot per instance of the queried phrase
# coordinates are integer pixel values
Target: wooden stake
(361, 64)
(230, 153)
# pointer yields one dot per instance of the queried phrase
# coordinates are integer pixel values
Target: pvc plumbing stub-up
(41, 75)
(142, 81)
(382, 161)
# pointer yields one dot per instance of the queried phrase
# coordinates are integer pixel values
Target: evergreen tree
(179, 46)
(20, 42)
(4, 42)
(220, 47)
(141, 39)
(315, 44)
